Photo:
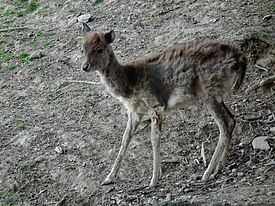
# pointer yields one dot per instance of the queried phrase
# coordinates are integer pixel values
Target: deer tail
(240, 68)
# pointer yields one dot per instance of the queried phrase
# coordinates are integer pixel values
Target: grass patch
(78, 92)
(7, 202)
(10, 68)
(31, 7)
(97, 2)
(6, 56)
(20, 126)
(48, 45)
(40, 33)
(64, 106)
(104, 115)
(272, 7)
(8, 12)
(24, 57)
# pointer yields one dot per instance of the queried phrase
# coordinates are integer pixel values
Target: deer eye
(99, 51)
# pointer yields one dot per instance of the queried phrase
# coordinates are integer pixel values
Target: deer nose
(85, 66)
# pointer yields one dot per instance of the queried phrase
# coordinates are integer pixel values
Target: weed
(20, 126)
(78, 92)
(51, 95)
(22, 39)
(126, 158)
(48, 45)
(37, 69)
(40, 33)
(97, 2)
(272, 7)
(104, 115)
(10, 68)
(149, 19)
(64, 106)
(8, 12)
(24, 57)
(6, 56)
(31, 7)
(7, 202)
(199, 36)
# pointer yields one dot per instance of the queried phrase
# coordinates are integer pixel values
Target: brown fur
(160, 83)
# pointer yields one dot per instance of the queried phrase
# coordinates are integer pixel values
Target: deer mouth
(85, 67)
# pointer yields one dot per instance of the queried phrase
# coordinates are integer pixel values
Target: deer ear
(85, 28)
(110, 36)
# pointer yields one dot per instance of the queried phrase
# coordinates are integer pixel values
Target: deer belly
(179, 99)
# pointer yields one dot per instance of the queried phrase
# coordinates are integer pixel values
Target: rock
(58, 150)
(36, 55)
(261, 143)
(267, 17)
(84, 18)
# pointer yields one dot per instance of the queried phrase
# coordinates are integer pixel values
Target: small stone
(240, 174)
(272, 129)
(58, 150)
(270, 193)
(267, 17)
(261, 143)
(84, 18)
(234, 170)
(36, 55)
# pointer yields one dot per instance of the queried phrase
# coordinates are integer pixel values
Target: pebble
(267, 17)
(58, 150)
(261, 143)
(272, 129)
(240, 174)
(84, 18)
(36, 55)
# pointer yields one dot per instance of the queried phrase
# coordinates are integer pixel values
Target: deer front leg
(156, 121)
(132, 124)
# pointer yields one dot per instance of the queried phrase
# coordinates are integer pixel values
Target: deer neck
(115, 79)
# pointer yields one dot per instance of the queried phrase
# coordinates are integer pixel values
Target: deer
(157, 84)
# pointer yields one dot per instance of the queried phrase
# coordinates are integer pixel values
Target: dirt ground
(60, 131)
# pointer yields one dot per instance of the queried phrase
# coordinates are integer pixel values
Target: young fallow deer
(164, 82)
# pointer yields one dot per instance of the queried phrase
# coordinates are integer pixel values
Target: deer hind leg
(156, 121)
(225, 120)
(132, 124)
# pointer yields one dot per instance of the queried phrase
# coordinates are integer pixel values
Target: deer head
(96, 49)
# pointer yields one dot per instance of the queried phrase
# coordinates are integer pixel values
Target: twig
(203, 154)
(14, 28)
(262, 68)
(76, 81)
(66, 82)
(268, 80)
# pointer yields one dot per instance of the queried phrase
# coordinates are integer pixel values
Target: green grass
(10, 68)
(78, 92)
(6, 56)
(104, 115)
(64, 106)
(8, 12)
(272, 6)
(7, 202)
(97, 2)
(40, 33)
(25, 57)
(48, 45)
(31, 7)
(20, 126)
